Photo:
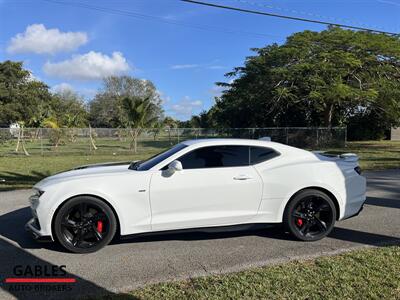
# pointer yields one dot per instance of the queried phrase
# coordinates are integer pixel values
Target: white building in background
(14, 129)
(395, 134)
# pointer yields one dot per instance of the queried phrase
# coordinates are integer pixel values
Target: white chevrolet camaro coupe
(198, 184)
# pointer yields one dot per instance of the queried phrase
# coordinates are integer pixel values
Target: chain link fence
(117, 141)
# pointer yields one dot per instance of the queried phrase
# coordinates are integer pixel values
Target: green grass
(374, 155)
(361, 274)
(20, 171)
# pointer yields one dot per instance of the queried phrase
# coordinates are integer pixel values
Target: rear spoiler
(350, 157)
(347, 157)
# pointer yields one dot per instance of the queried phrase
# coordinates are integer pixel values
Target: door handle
(242, 177)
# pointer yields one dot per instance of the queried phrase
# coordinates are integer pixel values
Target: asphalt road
(129, 264)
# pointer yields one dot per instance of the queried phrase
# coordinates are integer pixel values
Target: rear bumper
(356, 214)
(354, 207)
(33, 228)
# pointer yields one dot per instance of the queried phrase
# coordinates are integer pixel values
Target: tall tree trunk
(328, 112)
(135, 144)
(91, 138)
(137, 133)
(134, 135)
(21, 141)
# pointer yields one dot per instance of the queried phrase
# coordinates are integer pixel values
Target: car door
(217, 186)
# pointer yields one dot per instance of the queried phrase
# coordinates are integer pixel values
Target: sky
(184, 49)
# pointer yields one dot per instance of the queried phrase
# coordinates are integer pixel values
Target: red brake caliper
(299, 222)
(100, 226)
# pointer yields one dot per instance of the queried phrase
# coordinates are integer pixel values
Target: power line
(284, 16)
(302, 12)
(136, 15)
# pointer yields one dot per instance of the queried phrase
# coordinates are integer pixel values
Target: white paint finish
(121, 189)
(150, 200)
(204, 197)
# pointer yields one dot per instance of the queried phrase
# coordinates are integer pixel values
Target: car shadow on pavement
(273, 232)
(14, 259)
(362, 237)
(12, 228)
(384, 202)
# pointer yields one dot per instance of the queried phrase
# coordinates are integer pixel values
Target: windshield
(156, 159)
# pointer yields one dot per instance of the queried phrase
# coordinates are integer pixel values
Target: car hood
(84, 171)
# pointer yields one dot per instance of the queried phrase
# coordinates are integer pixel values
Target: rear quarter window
(261, 154)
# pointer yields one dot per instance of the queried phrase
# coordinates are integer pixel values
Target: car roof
(230, 141)
(282, 148)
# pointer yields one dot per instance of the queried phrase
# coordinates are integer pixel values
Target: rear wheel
(85, 224)
(310, 216)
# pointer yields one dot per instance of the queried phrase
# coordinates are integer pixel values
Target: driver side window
(216, 157)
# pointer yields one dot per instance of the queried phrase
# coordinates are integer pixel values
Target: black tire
(310, 215)
(84, 224)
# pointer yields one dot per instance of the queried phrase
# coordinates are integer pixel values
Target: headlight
(34, 199)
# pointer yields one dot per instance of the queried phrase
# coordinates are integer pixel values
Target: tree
(137, 115)
(70, 112)
(202, 120)
(316, 78)
(156, 128)
(22, 98)
(170, 123)
(70, 109)
(106, 109)
(56, 132)
(21, 139)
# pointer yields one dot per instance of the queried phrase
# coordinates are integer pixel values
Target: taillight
(358, 170)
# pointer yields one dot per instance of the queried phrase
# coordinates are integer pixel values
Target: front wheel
(84, 224)
(310, 216)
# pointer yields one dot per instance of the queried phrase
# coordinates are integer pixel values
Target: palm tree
(56, 132)
(139, 115)
(170, 123)
(156, 129)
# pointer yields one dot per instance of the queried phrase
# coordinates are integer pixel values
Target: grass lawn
(19, 171)
(361, 274)
(374, 155)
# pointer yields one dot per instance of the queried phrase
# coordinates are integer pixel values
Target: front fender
(128, 196)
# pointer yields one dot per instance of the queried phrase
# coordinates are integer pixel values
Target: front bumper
(33, 228)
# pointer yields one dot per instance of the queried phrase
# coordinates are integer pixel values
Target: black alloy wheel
(85, 224)
(310, 216)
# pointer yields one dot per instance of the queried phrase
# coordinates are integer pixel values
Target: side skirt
(213, 229)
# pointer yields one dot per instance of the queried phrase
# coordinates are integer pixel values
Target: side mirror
(174, 166)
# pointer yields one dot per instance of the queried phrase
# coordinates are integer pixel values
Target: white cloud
(188, 66)
(62, 87)
(216, 67)
(185, 108)
(217, 90)
(165, 99)
(89, 66)
(389, 2)
(38, 39)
